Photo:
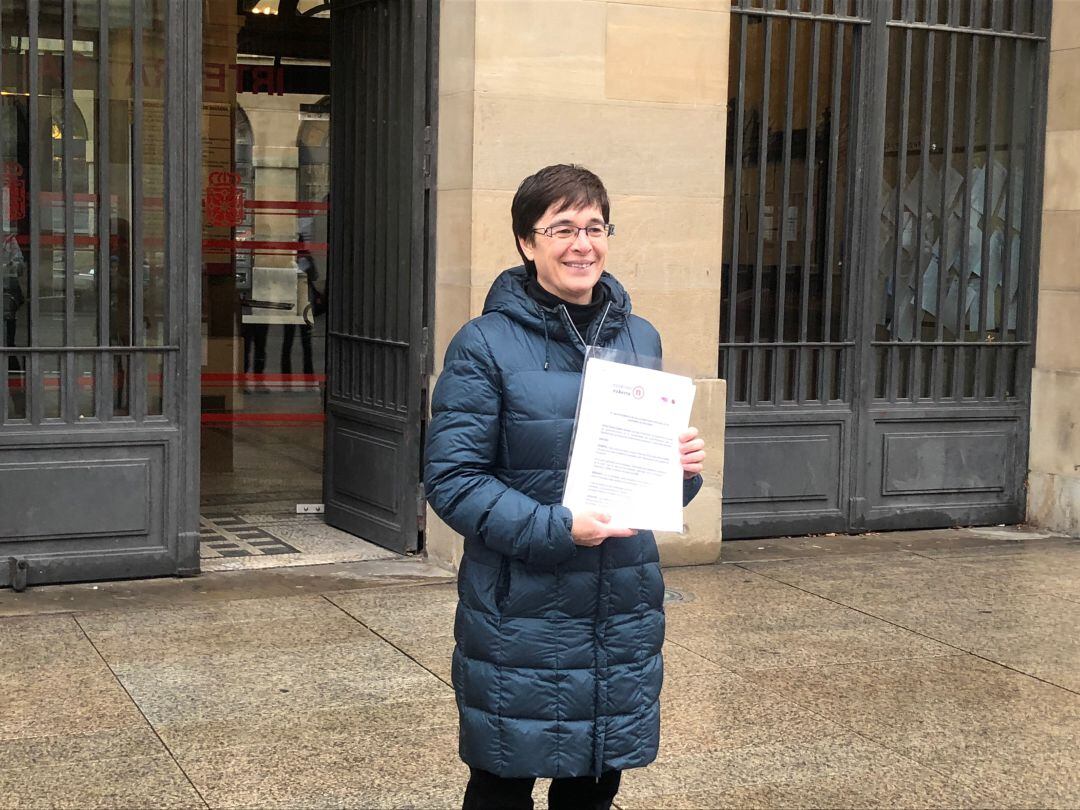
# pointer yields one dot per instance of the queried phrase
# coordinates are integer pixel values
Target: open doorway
(315, 303)
(266, 126)
(266, 176)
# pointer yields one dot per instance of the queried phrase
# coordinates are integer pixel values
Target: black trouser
(486, 791)
(254, 346)
(287, 334)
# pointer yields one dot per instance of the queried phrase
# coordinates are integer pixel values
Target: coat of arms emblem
(15, 192)
(223, 204)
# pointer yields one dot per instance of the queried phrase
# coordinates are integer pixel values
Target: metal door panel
(379, 268)
(945, 343)
(98, 447)
(943, 467)
(92, 507)
(786, 344)
(788, 472)
(861, 163)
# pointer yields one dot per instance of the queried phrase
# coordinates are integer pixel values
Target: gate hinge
(421, 508)
(429, 155)
(425, 356)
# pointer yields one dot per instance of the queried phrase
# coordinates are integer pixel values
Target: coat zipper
(601, 615)
(577, 332)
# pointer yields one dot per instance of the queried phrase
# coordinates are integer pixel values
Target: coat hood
(508, 297)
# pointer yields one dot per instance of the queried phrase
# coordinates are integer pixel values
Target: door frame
(405, 500)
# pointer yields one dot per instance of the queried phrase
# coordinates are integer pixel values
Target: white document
(625, 458)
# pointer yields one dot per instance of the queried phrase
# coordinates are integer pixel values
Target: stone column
(1054, 475)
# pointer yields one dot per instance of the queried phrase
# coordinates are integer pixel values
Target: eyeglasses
(565, 233)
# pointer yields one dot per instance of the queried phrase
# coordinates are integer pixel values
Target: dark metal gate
(881, 240)
(98, 417)
(382, 214)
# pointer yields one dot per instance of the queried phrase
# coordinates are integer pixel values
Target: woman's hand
(691, 453)
(592, 529)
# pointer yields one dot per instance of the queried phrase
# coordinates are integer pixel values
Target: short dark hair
(568, 185)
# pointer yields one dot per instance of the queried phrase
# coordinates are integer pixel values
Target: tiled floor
(242, 539)
(931, 671)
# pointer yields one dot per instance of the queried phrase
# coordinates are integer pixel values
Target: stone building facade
(1054, 476)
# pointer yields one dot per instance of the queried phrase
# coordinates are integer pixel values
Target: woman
(557, 668)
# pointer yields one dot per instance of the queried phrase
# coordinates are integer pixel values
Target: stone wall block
(696, 5)
(1065, 27)
(1053, 502)
(1062, 180)
(452, 310)
(456, 142)
(493, 237)
(457, 46)
(453, 237)
(1057, 343)
(1055, 422)
(1063, 113)
(1060, 267)
(540, 49)
(666, 54)
(688, 322)
(667, 243)
(622, 143)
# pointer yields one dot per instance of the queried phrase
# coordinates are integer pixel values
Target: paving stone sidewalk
(919, 669)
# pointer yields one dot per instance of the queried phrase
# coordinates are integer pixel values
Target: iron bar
(1010, 188)
(832, 209)
(136, 369)
(736, 203)
(763, 152)
(34, 280)
(791, 344)
(953, 343)
(400, 138)
(374, 341)
(5, 369)
(901, 182)
(384, 214)
(800, 15)
(388, 200)
(785, 192)
(809, 197)
(988, 201)
(170, 143)
(368, 180)
(970, 31)
(937, 381)
(85, 349)
(102, 163)
(68, 389)
(403, 140)
(915, 383)
(965, 250)
(375, 222)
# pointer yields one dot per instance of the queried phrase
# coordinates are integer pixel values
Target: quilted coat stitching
(523, 667)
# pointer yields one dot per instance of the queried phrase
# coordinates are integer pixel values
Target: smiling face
(568, 268)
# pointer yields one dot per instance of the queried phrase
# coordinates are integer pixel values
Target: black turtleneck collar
(582, 315)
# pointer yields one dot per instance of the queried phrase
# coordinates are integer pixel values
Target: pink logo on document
(638, 392)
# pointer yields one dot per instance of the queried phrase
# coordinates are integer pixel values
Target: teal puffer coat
(557, 668)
